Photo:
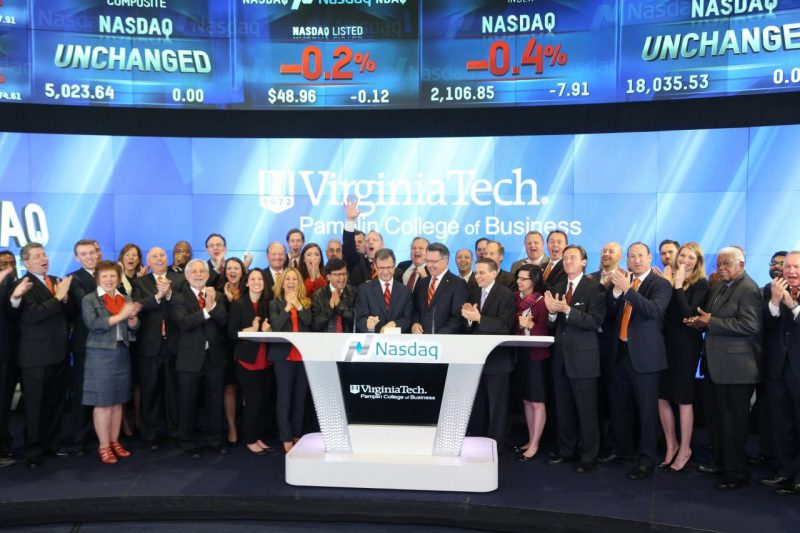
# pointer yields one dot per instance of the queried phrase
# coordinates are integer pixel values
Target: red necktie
(387, 295)
(374, 272)
(794, 293)
(50, 286)
(201, 299)
(412, 279)
(569, 293)
(339, 323)
(431, 290)
(626, 315)
(547, 270)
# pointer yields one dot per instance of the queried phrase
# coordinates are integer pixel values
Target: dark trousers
(81, 426)
(212, 382)
(784, 403)
(490, 411)
(728, 425)
(44, 388)
(8, 381)
(292, 386)
(634, 390)
(153, 385)
(256, 388)
(576, 404)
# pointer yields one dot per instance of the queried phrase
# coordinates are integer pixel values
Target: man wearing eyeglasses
(438, 299)
(333, 306)
(383, 302)
(733, 321)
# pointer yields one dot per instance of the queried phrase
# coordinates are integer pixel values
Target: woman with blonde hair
(683, 343)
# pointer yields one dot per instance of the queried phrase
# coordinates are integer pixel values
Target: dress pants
(212, 382)
(634, 390)
(292, 386)
(576, 404)
(81, 426)
(256, 386)
(44, 388)
(784, 402)
(728, 408)
(490, 411)
(153, 385)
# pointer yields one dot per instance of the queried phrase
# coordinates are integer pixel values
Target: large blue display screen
(718, 187)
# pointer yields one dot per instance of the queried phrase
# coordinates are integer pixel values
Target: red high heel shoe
(119, 451)
(106, 455)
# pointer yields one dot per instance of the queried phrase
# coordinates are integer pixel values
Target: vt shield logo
(276, 188)
(354, 389)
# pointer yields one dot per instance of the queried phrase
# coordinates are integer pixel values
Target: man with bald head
(157, 344)
(496, 252)
(360, 267)
(609, 261)
(276, 257)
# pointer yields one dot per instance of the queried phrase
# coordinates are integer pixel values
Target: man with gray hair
(733, 322)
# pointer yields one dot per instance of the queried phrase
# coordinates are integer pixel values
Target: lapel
(489, 297)
(579, 290)
(440, 288)
(39, 285)
(395, 296)
(724, 297)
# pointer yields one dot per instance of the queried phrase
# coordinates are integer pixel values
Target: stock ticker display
(333, 54)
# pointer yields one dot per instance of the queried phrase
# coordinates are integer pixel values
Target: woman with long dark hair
(312, 268)
(232, 284)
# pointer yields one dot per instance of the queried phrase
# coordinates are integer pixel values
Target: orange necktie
(794, 293)
(431, 290)
(50, 286)
(547, 270)
(626, 315)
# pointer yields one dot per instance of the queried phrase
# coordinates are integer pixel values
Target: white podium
(394, 456)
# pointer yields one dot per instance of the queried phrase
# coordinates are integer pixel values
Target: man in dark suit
(491, 310)
(577, 308)
(438, 299)
(83, 283)
(202, 357)
(43, 349)
(276, 259)
(295, 240)
(637, 300)
(464, 266)
(733, 361)
(372, 312)
(496, 252)
(534, 252)
(359, 266)
(782, 362)
(333, 306)
(157, 346)
(410, 271)
(8, 350)
(181, 254)
(554, 271)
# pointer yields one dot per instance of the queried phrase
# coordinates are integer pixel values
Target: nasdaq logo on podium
(276, 189)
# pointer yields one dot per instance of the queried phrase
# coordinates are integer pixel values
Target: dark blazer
(370, 302)
(282, 321)
(781, 342)
(148, 337)
(82, 284)
(213, 275)
(358, 266)
(195, 331)
(95, 315)
(324, 318)
(444, 313)
(269, 281)
(498, 316)
(472, 283)
(576, 340)
(507, 279)
(645, 334)
(43, 326)
(557, 275)
(8, 324)
(240, 316)
(733, 339)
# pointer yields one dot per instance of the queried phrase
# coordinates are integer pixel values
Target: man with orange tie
(554, 271)
(333, 306)
(383, 302)
(43, 348)
(439, 298)
(637, 300)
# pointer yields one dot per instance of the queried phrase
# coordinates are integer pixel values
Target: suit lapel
(439, 288)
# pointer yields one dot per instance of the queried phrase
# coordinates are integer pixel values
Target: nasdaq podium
(393, 410)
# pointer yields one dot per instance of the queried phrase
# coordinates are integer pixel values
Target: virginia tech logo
(276, 189)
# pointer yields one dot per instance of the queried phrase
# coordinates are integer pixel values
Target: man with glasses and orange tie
(637, 300)
(40, 301)
(438, 299)
(383, 302)
(333, 306)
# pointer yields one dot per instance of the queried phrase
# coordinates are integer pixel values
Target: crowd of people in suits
(628, 344)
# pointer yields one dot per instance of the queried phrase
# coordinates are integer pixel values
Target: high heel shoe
(522, 458)
(664, 466)
(257, 451)
(681, 469)
(518, 449)
(106, 455)
(118, 450)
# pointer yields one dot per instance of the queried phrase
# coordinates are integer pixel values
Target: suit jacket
(282, 321)
(472, 282)
(153, 313)
(733, 339)
(443, 315)
(516, 265)
(557, 275)
(507, 279)
(370, 302)
(213, 275)
(324, 317)
(781, 342)
(645, 329)
(576, 344)
(8, 324)
(358, 266)
(43, 326)
(498, 316)
(269, 281)
(95, 315)
(240, 316)
(401, 269)
(196, 331)
(82, 284)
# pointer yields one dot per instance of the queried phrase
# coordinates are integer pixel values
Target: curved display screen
(334, 54)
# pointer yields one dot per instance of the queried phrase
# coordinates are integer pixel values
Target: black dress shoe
(231, 443)
(7, 461)
(522, 458)
(56, 452)
(760, 459)
(731, 484)
(605, 459)
(791, 490)
(557, 459)
(777, 481)
(585, 468)
(640, 472)
(220, 450)
(151, 445)
(710, 469)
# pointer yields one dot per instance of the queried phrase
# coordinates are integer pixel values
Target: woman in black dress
(690, 290)
(231, 284)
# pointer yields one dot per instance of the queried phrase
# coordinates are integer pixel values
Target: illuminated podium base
(475, 470)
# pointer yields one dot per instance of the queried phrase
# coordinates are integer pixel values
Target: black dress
(683, 344)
